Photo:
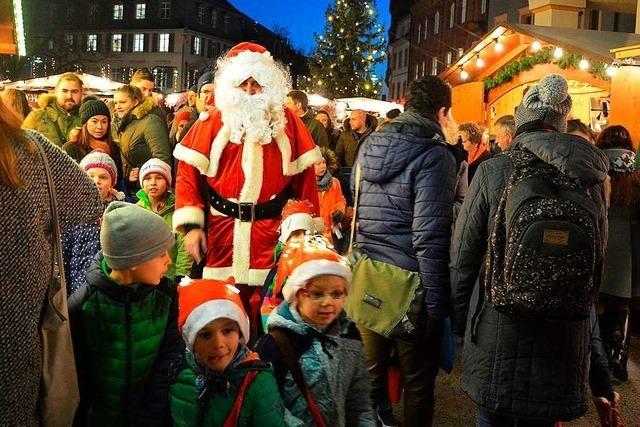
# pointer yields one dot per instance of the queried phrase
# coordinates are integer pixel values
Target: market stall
(99, 86)
(490, 79)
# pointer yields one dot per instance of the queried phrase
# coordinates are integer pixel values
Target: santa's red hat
(245, 47)
(303, 260)
(205, 300)
(296, 215)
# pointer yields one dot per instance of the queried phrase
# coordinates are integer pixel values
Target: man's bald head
(358, 120)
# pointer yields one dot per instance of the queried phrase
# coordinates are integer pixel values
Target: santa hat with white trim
(205, 300)
(296, 215)
(303, 260)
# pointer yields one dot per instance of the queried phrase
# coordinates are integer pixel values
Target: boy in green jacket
(124, 323)
(221, 382)
(156, 196)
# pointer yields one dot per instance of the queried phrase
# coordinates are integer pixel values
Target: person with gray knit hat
(548, 102)
(124, 322)
(131, 236)
(521, 369)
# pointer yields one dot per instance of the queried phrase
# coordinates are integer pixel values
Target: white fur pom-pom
(203, 116)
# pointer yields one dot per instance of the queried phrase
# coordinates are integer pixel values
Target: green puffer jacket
(262, 405)
(142, 136)
(53, 121)
(125, 340)
(181, 261)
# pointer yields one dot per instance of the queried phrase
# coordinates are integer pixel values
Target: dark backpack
(542, 262)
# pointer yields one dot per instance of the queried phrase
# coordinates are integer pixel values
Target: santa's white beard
(251, 118)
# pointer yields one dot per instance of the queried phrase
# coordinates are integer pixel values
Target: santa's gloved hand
(337, 216)
(609, 411)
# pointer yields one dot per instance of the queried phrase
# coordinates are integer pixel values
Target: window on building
(141, 10)
(226, 23)
(483, 6)
(406, 57)
(68, 40)
(417, 71)
(436, 23)
(426, 26)
(165, 10)
(452, 15)
(449, 58)
(163, 42)
(434, 66)
(50, 44)
(118, 12)
(201, 11)
(460, 52)
(94, 9)
(463, 11)
(92, 42)
(214, 18)
(138, 42)
(116, 43)
(424, 68)
(197, 45)
(419, 31)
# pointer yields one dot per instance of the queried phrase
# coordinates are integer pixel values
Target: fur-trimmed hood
(47, 100)
(143, 109)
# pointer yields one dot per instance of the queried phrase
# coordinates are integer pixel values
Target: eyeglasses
(319, 296)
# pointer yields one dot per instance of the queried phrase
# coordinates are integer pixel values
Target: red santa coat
(252, 173)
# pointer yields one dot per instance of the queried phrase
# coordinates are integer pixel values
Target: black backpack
(543, 257)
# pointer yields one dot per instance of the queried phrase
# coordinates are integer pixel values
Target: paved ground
(454, 408)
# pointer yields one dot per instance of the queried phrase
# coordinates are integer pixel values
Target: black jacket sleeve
(468, 247)
(75, 302)
(155, 409)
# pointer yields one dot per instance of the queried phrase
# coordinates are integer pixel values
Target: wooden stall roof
(517, 38)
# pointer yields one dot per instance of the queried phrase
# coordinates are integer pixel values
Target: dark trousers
(418, 359)
(485, 418)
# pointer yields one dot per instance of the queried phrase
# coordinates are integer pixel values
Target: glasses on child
(319, 296)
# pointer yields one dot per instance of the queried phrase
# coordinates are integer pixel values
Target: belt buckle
(246, 212)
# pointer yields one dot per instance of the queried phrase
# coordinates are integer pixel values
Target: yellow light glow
(536, 46)
(464, 75)
(480, 62)
(558, 52)
(17, 11)
(584, 64)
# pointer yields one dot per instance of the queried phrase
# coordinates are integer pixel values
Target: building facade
(176, 39)
(440, 31)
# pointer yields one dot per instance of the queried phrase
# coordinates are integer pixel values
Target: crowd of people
(222, 261)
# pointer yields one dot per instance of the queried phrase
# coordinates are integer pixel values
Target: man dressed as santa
(240, 163)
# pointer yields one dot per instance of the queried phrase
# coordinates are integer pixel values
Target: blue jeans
(485, 418)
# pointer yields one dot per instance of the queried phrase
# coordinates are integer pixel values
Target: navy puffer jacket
(405, 209)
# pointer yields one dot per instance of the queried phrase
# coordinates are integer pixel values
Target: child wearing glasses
(316, 351)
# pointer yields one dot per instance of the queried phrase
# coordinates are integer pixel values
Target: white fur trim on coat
(290, 168)
(191, 157)
(188, 215)
(253, 277)
(217, 147)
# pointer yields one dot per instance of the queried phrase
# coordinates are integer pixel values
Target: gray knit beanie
(131, 235)
(548, 101)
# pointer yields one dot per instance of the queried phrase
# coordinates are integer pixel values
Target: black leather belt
(250, 212)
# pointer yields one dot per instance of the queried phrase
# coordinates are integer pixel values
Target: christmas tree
(352, 44)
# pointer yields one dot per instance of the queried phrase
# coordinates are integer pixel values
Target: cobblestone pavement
(455, 409)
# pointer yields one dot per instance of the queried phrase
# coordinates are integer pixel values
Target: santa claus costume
(240, 163)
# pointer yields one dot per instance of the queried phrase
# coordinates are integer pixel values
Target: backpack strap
(234, 414)
(291, 360)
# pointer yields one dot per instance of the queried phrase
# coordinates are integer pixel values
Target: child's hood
(287, 317)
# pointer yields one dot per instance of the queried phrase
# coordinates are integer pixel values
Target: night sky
(302, 18)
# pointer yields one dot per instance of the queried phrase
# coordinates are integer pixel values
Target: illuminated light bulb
(464, 75)
(558, 52)
(584, 64)
(536, 46)
(611, 70)
(498, 47)
(480, 62)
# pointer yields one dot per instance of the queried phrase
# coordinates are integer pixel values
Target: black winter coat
(405, 209)
(524, 369)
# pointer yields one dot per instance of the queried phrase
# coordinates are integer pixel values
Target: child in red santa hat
(221, 382)
(297, 221)
(316, 350)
